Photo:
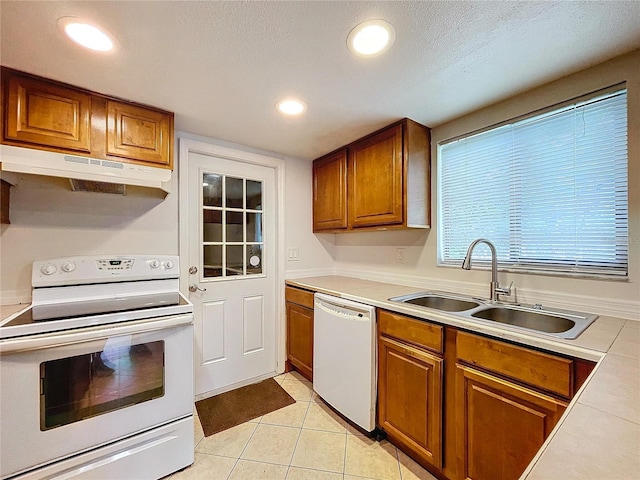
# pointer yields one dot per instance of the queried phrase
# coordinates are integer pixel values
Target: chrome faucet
(496, 289)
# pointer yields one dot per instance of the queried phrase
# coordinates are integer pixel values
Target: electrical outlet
(400, 253)
(292, 255)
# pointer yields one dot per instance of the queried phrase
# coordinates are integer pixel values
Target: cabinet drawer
(551, 373)
(423, 334)
(301, 297)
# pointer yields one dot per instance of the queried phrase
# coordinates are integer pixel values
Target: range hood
(86, 169)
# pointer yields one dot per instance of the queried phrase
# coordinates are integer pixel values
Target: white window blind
(550, 191)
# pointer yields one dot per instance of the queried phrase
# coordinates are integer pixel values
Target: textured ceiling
(222, 66)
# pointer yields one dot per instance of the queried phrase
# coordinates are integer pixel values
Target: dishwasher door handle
(343, 312)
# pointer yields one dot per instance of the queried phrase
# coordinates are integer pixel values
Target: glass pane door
(232, 237)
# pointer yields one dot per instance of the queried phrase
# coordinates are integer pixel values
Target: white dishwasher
(344, 357)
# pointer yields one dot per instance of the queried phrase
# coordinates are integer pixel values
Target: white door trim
(187, 146)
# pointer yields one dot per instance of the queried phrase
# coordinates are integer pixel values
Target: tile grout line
(298, 439)
(243, 449)
(608, 413)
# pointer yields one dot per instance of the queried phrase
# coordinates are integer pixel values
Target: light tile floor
(304, 441)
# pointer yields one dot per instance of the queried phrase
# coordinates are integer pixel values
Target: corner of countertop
(7, 310)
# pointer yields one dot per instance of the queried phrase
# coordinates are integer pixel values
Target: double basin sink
(557, 323)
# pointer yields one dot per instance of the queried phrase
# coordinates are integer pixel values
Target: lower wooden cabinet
(300, 330)
(409, 398)
(500, 425)
(465, 406)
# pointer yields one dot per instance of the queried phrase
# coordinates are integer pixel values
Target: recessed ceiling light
(86, 35)
(371, 38)
(291, 106)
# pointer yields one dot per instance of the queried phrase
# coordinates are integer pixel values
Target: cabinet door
(4, 201)
(300, 338)
(500, 425)
(139, 133)
(330, 192)
(376, 195)
(410, 398)
(46, 114)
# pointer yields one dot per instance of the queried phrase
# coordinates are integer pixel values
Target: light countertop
(598, 438)
(7, 310)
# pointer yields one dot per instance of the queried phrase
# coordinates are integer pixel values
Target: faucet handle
(504, 290)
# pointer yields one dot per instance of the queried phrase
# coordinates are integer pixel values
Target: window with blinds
(549, 190)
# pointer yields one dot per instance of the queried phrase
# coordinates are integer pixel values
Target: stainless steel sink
(554, 322)
(438, 301)
(558, 323)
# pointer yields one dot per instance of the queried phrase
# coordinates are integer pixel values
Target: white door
(231, 213)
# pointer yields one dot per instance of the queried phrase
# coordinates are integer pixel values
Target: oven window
(75, 388)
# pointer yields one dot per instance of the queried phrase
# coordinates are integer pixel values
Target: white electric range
(97, 374)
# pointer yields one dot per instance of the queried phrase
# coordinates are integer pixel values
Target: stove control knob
(68, 267)
(154, 263)
(168, 265)
(48, 269)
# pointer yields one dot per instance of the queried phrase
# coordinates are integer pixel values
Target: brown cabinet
(386, 177)
(330, 192)
(376, 180)
(4, 201)
(508, 398)
(410, 385)
(465, 406)
(136, 132)
(300, 330)
(40, 113)
(48, 115)
(500, 425)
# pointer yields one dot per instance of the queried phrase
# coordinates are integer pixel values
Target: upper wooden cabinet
(387, 182)
(376, 195)
(44, 114)
(330, 192)
(48, 115)
(136, 132)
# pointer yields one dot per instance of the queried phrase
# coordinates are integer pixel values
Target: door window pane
(254, 259)
(234, 260)
(83, 386)
(232, 226)
(212, 225)
(212, 190)
(254, 195)
(235, 192)
(254, 227)
(212, 256)
(235, 227)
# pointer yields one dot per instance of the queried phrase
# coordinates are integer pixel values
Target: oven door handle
(58, 339)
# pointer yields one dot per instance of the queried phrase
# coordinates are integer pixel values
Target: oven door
(69, 392)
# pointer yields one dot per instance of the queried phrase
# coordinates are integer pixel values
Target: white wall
(373, 255)
(48, 220)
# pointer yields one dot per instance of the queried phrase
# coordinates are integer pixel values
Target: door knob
(194, 288)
